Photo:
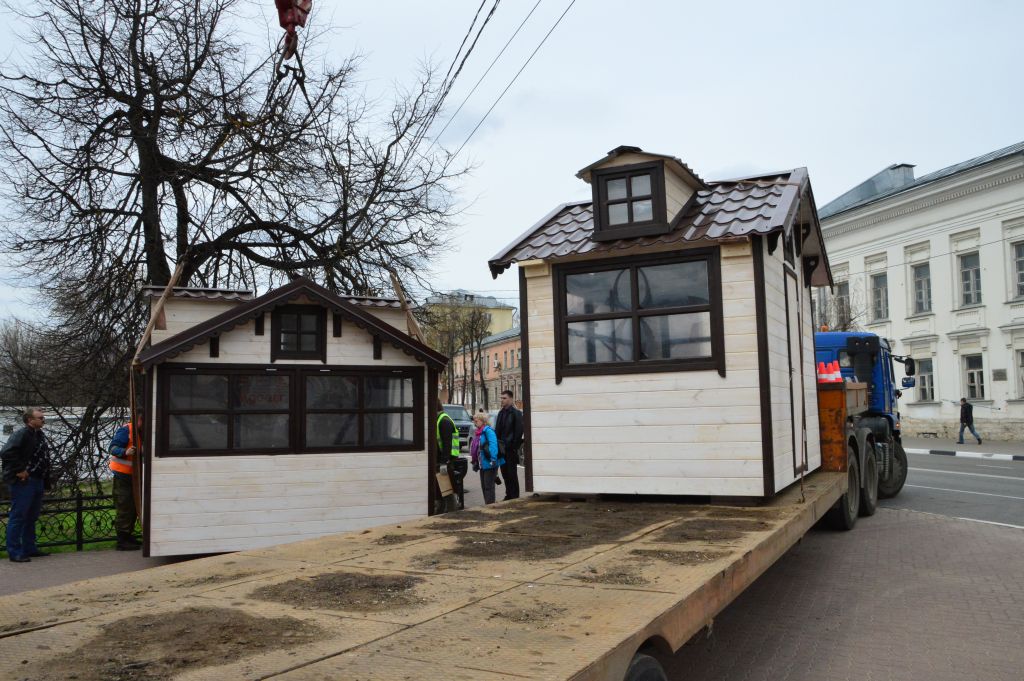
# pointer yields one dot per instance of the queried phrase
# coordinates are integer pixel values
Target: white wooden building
(283, 417)
(667, 337)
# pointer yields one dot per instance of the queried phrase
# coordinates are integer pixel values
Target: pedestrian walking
(122, 462)
(508, 428)
(26, 463)
(489, 460)
(967, 420)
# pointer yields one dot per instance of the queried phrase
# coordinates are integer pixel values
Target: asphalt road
(970, 489)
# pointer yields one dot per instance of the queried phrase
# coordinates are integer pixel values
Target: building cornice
(925, 197)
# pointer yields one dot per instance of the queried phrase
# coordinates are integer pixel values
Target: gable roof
(835, 207)
(730, 210)
(681, 168)
(243, 312)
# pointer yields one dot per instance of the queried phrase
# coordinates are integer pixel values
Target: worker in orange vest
(122, 461)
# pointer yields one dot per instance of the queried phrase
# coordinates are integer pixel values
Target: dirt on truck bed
(551, 589)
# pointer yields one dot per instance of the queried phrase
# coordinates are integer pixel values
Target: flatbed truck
(533, 588)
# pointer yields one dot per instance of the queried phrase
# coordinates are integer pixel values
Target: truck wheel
(843, 516)
(869, 493)
(644, 668)
(890, 487)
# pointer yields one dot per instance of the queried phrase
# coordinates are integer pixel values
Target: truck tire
(644, 668)
(888, 488)
(869, 492)
(843, 516)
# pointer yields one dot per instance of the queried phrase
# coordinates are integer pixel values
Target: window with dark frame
(629, 201)
(659, 313)
(298, 332)
(223, 410)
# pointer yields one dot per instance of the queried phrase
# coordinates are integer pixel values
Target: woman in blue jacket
(490, 457)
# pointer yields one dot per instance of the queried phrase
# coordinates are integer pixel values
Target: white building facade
(936, 265)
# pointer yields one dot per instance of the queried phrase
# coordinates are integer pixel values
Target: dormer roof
(672, 162)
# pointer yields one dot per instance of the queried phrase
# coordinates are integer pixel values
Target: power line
(515, 78)
(491, 66)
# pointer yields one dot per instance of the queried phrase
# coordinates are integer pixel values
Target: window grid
(970, 279)
(295, 410)
(922, 288)
(1018, 265)
(925, 381)
(879, 297)
(975, 375)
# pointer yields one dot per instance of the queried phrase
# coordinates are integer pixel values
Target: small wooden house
(668, 345)
(282, 417)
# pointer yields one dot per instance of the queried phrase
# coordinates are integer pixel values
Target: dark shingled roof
(729, 210)
(196, 293)
(348, 306)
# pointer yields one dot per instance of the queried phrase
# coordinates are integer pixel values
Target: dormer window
(629, 201)
(298, 332)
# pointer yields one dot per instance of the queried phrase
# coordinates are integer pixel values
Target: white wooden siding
(228, 503)
(655, 433)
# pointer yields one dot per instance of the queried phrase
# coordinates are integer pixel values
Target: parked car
(462, 421)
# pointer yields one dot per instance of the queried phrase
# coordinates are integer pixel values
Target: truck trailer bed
(530, 589)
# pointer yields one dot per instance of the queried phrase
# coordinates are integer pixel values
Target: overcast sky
(734, 88)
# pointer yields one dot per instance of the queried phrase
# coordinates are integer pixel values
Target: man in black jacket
(967, 420)
(26, 462)
(508, 428)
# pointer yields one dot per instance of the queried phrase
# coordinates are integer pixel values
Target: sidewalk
(1002, 451)
(62, 568)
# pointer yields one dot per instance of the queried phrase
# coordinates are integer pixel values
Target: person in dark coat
(967, 420)
(508, 428)
(26, 463)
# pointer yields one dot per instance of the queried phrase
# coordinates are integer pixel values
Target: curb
(967, 455)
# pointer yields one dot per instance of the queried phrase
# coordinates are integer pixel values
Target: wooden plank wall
(782, 424)
(211, 504)
(658, 433)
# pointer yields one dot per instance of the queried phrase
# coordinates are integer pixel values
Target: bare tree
(839, 310)
(139, 135)
(476, 327)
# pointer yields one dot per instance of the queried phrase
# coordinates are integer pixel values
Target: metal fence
(69, 521)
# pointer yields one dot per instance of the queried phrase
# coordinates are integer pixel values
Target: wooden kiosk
(667, 332)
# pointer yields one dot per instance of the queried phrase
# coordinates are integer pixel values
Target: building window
(298, 332)
(843, 315)
(970, 279)
(504, 363)
(879, 297)
(1020, 373)
(289, 410)
(1018, 267)
(925, 381)
(629, 201)
(922, 275)
(640, 314)
(975, 377)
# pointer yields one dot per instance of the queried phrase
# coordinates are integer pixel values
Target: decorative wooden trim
(259, 324)
(657, 225)
(524, 367)
(336, 322)
(215, 346)
(432, 382)
(763, 367)
(296, 408)
(149, 444)
(711, 255)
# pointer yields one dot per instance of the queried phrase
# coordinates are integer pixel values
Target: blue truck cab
(867, 358)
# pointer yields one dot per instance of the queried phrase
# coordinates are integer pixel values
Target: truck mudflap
(549, 589)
